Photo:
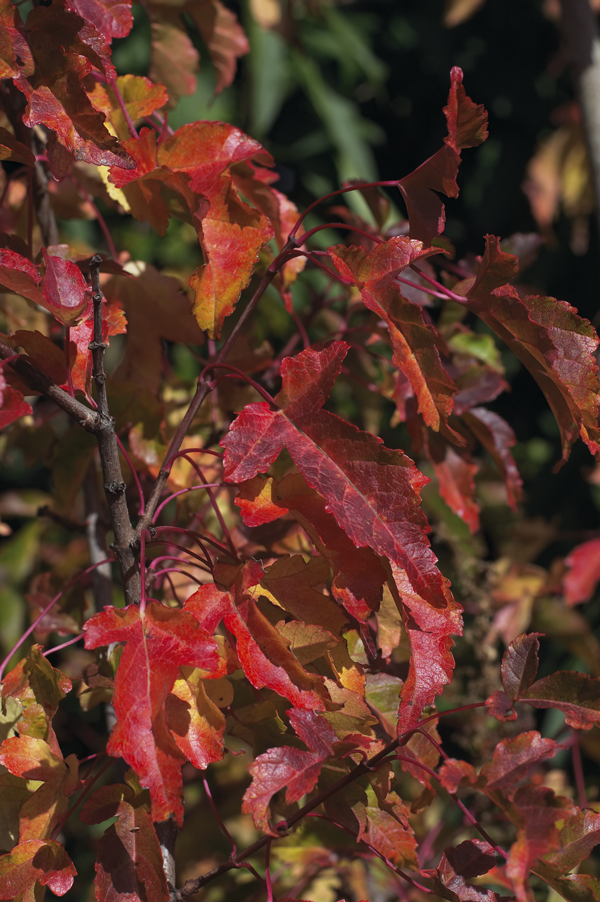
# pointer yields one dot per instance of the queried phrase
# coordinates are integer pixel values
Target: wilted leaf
(584, 572)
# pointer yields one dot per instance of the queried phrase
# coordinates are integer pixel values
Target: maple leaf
(469, 859)
(538, 811)
(33, 863)
(157, 642)
(580, 834)
(372, 492)
(129, 861)
(413, 340)
(457, 487)
(15, 55)
(554, 343)
(513, 758)
(454, 773)
(584, 572)
(196, 723)
(111, 18)
(65, 48)
(33, 759)
(467, 127)
(39, 688)
(261, 649)
(289, 768)
(66, 294)
(139, 95)
(222, 34)
(497, 438)
(577, 695)
(13, 405)
(20, 275)
(519, 669)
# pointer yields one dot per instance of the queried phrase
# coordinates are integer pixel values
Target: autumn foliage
(267, 602)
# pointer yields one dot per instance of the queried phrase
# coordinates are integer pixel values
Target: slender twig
(132, 129)
(445, 292)
(48, 607)
(133, 472)
(202, 391)
(50, 651)
(382, 758)
(114, 485)
(192, 488)
(388, 184)
(338, 225)
(218, 817)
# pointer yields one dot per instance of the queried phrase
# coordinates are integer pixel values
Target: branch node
(114, 488)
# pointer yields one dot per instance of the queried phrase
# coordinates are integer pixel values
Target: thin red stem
(388, 184)
(177, 570)
(206, 561)
(30, 213)
(218, 817)
(446, 292)
(268, 871)
(143, 571)
(172, 557)
(462, 807)
(242, 375)
(133, 471)
(66, 588)
(193, 488)
(437, 294)
(213, 501)
(50, 651)
(99, 217)
(338, 225)
(132, 130)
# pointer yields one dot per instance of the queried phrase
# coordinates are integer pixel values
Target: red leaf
(197, 725)
(257, 501)
(15, 55)
(584, 573)
(39, 688)
(13, 406)
(457, 487)
(35, 862)
(371, 491)
(72, 33)
(578, 837)
(66, 293)
(520, 664)
(158, 641)
(223, 35)
(470, 859)
(129, 861)
(497, 437)
(575, 694)
(538, 811)
(263, 652)
(33, 759)
(288, 768)
(467, 127)
(47, 356)
(19, 274)
(513, 758)
(413, 340)
(453, 772)
(112, 18)
(358, 574)
(555, 344)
